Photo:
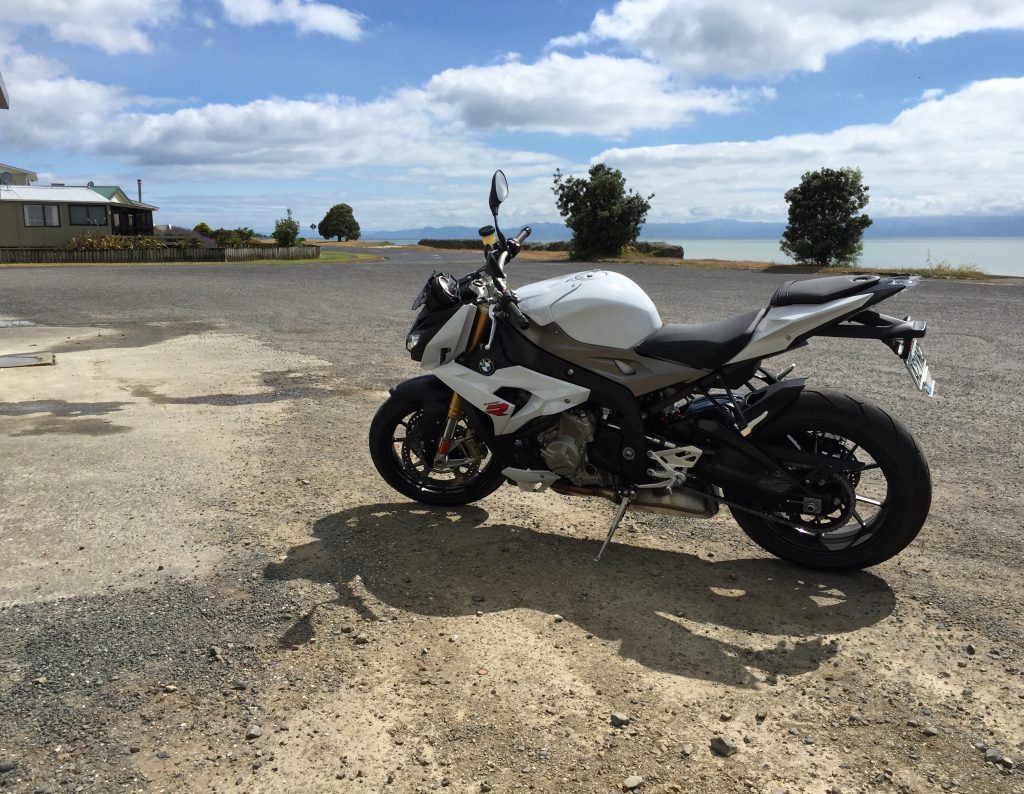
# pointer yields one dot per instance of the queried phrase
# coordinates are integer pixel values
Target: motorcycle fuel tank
(596, 307)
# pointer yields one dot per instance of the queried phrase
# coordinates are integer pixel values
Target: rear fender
(763, 405)
(759, 407)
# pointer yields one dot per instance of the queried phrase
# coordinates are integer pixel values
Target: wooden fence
(271, 252)
(58, 256)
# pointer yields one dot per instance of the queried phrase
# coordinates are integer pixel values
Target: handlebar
(525, 232)
(513, 312)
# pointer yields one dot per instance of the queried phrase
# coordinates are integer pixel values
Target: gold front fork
(481, 325)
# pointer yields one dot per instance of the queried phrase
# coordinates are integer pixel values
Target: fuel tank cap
(591, 275)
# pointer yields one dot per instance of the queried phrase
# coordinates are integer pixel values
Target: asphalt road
(356, 317)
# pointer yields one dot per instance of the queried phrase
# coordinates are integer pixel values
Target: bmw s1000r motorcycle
(575, 384)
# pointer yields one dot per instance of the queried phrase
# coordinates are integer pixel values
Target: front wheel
(873, 475)
(403, 441)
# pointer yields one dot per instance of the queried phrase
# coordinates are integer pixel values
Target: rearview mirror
(499, 190)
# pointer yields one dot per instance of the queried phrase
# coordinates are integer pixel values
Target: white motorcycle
(575, 384)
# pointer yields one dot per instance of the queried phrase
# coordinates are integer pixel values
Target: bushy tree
(339, 222)
(825, 227)
(603, 216)
(286, 230)
(226, 238)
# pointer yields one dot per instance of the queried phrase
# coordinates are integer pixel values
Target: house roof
(107, 191)
(62, 195)
(118, 196)
(4, 104)
(32, 175)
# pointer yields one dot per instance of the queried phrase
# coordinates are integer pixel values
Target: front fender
(423, 387)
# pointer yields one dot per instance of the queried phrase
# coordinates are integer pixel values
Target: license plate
(917, 366)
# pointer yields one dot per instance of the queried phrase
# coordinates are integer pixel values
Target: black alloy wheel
(403, 441)
(872, 487)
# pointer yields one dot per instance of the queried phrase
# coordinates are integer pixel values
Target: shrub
(114, 242)
(603, 216)
(286, 230)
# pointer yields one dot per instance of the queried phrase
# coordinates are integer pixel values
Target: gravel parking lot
(206, 587)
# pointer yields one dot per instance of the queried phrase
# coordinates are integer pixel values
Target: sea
(998, 256)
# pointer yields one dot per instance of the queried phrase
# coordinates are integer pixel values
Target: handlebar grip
(525, 232)
(517, 316)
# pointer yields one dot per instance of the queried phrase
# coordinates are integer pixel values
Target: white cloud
(593, 94)
(115, 26)
(745, 38)
(955, 153)
(307, 16)
(950, 155)
(438, 125)
(51, 109)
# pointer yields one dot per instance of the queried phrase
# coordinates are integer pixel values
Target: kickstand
(627, 497)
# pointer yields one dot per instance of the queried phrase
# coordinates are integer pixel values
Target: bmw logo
(486, 366)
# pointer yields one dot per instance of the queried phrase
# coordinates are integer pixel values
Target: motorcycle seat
(820, 290)
(703, 345)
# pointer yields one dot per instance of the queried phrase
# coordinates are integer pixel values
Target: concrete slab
(27, 360)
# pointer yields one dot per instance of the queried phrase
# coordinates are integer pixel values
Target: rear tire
(837, 425)
(403, 438)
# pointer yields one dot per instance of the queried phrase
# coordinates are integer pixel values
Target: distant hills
(926, 226)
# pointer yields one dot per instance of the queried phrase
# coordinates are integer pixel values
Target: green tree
(286, 230)
(825, 227)
(339, 222)
(603, 216)
(203, 228)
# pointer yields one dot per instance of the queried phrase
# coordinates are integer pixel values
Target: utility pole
(4, 103)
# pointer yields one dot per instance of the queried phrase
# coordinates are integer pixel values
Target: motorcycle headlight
(412, 340)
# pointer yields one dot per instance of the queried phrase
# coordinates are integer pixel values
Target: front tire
(403, 439)
(879, 509)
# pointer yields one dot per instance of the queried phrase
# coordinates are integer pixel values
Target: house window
(42, 215)
(88, 215)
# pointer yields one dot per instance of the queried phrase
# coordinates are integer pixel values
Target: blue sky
(232, 111)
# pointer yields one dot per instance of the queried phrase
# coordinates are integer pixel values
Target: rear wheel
(403, 441)
(871, 476)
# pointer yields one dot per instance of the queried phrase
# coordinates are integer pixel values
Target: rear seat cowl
(820, 290)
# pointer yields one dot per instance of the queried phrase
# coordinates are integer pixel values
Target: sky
(233, 111)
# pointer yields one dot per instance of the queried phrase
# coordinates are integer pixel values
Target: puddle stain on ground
(233, 400)
(44, 417)
(132, 335)
(80, 427)
(59, 408)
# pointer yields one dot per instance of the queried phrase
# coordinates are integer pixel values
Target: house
(16, 176)
(49, 217)
(127, 216)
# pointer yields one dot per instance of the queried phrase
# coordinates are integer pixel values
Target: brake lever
(494, 326)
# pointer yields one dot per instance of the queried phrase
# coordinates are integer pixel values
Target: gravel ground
(206, 587)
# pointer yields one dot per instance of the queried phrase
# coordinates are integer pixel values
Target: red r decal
(497, 409)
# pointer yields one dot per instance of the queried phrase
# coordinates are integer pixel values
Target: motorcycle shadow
(670, 611)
